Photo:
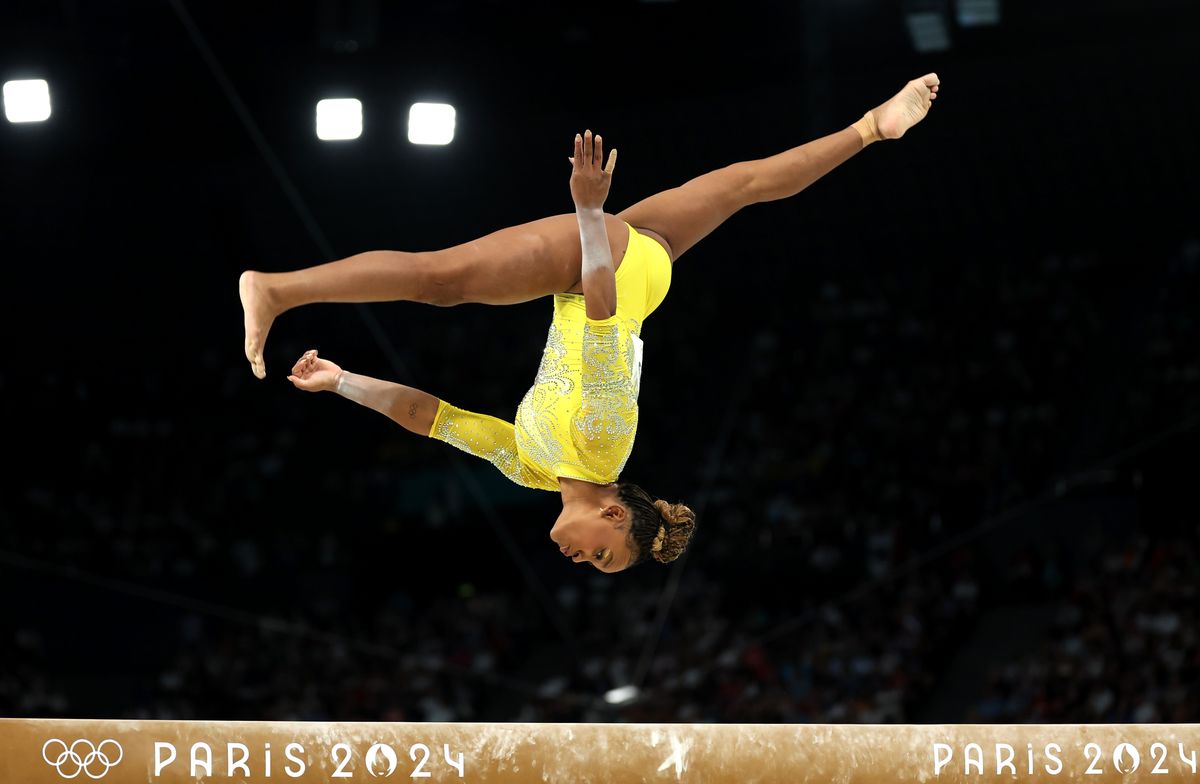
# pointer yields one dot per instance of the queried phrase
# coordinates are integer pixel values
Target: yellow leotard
(579, 418)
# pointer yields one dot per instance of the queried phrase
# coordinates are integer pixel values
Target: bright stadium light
(621, 695)
(978, 13)
(339, 119)
(27, 100)
(431, 123)
(929, 31)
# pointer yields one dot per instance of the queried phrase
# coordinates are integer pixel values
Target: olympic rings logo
(70, 758)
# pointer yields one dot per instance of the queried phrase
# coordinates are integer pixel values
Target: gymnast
(574, 429)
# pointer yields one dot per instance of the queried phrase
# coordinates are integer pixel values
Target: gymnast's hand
(589, 182)
(313, 374)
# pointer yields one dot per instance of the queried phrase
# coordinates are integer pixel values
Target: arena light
(978, 13)
(621, 695)
(431, 123)
(929, 30)
(27, 100)
(339, 119)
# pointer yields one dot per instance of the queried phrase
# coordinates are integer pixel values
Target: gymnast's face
(595, 534)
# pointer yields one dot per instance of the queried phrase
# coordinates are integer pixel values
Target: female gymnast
(607, 273)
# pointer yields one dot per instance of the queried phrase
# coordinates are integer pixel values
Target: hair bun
(678, 523)
(659, 538)
(670, 512)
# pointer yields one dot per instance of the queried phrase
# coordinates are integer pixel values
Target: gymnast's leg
(683, 216)
(508, 266)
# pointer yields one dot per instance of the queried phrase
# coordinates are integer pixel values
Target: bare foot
(907, 107)
(259, 315)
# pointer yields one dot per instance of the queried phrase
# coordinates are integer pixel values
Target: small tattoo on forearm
(412, 411)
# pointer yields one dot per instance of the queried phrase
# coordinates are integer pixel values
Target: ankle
(268, 291)
(867, 128)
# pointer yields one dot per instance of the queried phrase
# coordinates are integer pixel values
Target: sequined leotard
(579, 418)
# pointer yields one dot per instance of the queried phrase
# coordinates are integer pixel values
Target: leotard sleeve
(483, 436)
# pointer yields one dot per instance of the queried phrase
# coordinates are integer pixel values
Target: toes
(257, 365)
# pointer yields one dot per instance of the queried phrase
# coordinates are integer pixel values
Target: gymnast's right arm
(589, 188)
(410, 408)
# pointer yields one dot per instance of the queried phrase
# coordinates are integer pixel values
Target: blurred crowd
(1123, 646)
(218, 567)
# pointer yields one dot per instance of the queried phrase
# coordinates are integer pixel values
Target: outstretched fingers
(590, 177)
(589, 154)
(589, 151)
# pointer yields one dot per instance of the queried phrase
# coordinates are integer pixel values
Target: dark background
(937, 413)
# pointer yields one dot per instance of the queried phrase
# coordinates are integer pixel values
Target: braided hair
(659, 529)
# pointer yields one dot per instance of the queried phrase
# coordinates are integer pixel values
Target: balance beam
(33, 751)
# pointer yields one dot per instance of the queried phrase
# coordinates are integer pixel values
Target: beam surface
(115, 751)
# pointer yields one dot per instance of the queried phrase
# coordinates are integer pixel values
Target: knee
(443, 293)
(441, 282)
(742, 185)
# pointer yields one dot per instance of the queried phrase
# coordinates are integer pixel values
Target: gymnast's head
(619, 525)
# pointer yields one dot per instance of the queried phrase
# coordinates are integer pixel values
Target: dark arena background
(937, 414)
